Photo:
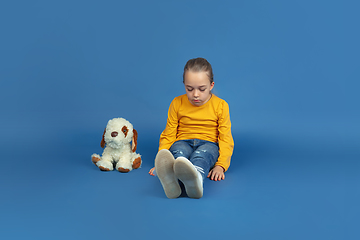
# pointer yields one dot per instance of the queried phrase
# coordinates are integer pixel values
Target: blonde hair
(199, 65)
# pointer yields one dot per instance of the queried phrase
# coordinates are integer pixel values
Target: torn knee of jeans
(177, 152)
(200, 151)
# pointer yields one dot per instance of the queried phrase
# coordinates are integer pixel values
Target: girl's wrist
(223, 169)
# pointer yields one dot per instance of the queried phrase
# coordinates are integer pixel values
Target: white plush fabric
(118, 152)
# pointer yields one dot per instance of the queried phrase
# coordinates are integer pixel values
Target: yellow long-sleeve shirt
(210, 122)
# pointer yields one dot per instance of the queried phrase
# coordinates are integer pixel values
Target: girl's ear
(102, 144)
(212, 85)
(134, 140)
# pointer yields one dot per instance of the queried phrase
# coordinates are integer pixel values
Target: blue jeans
(202, 154)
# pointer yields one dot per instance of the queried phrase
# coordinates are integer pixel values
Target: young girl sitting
(197, 140)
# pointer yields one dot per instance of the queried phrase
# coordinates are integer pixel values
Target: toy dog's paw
(123, 167)
(105, 165)
(137, 163)
(95, 158)
(104, 169)
(123, 170)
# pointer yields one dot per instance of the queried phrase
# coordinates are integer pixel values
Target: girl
(197, 140)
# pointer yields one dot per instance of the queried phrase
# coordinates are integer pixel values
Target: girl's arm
(225, 139)
(168, 136)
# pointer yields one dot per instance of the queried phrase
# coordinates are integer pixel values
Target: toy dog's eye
(125, 130)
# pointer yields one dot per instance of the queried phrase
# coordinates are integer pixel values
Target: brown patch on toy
(125, 130)
(123, 170)
(134, 140)
(95, 160)
(103, 168)
(137, 162)
(102, 144)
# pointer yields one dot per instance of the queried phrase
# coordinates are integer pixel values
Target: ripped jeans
(202, 154)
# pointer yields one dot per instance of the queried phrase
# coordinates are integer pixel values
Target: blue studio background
(288, 69)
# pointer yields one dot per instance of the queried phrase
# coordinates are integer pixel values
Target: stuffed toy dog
(118, 152)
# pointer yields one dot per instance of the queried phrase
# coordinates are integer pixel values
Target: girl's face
(198, 87)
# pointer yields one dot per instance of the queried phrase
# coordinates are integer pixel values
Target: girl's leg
(164, 167)
(181, 149)
(205, 157)
(184, 170)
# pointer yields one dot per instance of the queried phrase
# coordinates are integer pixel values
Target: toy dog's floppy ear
(102, 144)
(134, 140)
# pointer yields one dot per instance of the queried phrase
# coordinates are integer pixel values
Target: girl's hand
(216, 174)
(151, 172)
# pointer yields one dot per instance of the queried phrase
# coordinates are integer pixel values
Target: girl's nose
(196, 93)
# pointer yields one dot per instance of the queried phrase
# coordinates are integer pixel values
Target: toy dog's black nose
(114, 134)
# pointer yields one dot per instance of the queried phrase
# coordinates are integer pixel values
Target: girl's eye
(202, 90)
(189, 89)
